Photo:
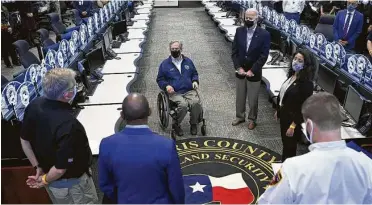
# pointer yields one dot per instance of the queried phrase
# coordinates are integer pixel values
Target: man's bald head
(135, 107)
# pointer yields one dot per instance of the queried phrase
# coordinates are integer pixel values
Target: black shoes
(177, 129)
(194, 129)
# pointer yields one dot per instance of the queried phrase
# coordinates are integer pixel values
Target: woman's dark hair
(306, 72)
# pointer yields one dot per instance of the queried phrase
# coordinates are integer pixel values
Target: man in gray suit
(249, 53)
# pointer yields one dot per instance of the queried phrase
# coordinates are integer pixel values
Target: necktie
(346, 26)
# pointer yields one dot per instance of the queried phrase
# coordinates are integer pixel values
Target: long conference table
(102, 110)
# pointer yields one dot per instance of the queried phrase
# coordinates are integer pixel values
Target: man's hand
(195, 85)
(30, 14)
(10, 29)
(250, 73)
(35, 182)
(169, 89)
(241, 71)
(343, 43)
(84, 13)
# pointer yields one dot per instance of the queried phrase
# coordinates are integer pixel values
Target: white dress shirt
(351, 20)
(293, 6)
(331, 173)
(250, 32)
(178, 62)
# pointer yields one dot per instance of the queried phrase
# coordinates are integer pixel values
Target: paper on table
(276, 167)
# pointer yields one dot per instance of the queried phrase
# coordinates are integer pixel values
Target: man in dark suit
(85, 8)
(137, 166)
(249, 53)
(348, 25)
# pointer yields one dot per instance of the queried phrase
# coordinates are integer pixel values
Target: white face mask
(309, 138)
(73, 96)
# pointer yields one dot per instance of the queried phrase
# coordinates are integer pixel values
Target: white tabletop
(346, 132)
(112, 90)
(141, 17)
(215, 9)
(139, 24)
(219, 15)
(226, 21)
(275, 78)
(230, 30)
(99, 122)
(127, 64)
(144, 11)
(131, 46)
(211, 5)
(137, 33)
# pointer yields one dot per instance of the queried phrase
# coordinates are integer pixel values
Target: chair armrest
(72, 29)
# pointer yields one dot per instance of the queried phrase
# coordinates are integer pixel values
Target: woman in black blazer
(294, 91)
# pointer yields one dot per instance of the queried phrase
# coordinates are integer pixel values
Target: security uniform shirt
(57, 137)
(331, 173)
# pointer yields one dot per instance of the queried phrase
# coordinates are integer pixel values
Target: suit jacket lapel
(343, 18)
(253, 40)
(293, 85)
(244, 33)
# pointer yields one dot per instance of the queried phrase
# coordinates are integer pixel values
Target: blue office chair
(59, 28)
(4, 81)
(46, 42)
(26, 57)
(325, 26)
(77, 18)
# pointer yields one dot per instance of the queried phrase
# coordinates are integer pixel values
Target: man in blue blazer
(138, 166)
(179, 78)
(348, 25)
(85, 7)
(249, 53)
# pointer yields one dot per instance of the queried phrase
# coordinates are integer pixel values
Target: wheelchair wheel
(163, 110)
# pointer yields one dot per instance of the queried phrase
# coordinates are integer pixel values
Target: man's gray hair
(56, 81)
(252, 9)
(179, 42)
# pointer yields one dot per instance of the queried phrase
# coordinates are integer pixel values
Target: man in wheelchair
(178, 77)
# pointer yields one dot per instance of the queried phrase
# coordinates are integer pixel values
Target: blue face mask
(351, 7)
(296, 66)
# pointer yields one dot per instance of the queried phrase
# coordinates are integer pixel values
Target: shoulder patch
(276, 179)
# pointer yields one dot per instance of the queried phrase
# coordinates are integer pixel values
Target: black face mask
(248, 23)
(175, 54)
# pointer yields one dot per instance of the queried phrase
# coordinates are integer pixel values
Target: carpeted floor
(211, 54)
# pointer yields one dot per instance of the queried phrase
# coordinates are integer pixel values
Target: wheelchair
(167, 108)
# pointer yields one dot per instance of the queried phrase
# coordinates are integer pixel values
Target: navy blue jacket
(257, 54)
(355, 29)
(169, 75)
(137, 166)
(86, 6)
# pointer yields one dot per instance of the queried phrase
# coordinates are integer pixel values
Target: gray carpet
(211, 54)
